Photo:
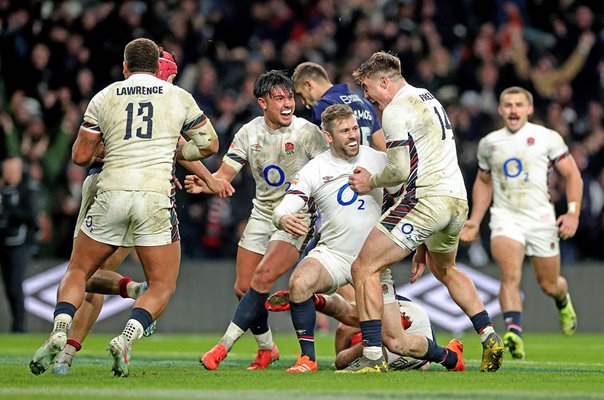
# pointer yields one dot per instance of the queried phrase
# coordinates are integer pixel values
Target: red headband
(167, 66)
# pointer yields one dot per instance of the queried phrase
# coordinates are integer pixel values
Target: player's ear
(328, 137)
(124, 68)
(383, 82)
(262, 103)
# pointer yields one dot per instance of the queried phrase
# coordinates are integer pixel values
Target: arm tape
(203, 136)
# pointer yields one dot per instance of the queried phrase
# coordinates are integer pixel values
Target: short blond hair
(516, 90)
(309, 70)
(332, 113)
(387, 64)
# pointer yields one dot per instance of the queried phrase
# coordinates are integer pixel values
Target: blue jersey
(363, 110)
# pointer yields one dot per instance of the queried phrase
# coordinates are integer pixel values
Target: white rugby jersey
(519, 164)
(414, 118)
(140, 120)
(347, 217)
(274, 156)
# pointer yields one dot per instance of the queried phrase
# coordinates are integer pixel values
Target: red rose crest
(384, 288)
(289, 148)
(530, 141)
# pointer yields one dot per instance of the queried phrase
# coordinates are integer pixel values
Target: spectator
(18, 229)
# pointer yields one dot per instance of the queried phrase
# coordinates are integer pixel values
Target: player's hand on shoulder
(567, 225)
(469, 232)
(295, 224)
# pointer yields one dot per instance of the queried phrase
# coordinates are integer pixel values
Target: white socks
(265, 340)
(132, 289)
(232, 334)
(372, 352)
(132, 331)
(61, 323)
(486, 332)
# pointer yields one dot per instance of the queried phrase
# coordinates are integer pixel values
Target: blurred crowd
(55, 55)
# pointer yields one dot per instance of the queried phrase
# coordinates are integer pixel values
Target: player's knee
(162, 291)
(298, 288)
(265, 276)
(240, 289)
(549, 288)
(447, 273)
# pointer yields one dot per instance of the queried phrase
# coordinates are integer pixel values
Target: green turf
(166, 366)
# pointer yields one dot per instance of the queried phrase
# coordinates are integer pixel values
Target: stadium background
(55, 55)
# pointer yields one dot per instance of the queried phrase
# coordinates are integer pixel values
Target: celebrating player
(427, 218)
(347, 220)
(276, 146)
(513, 167)
(139, 121)
(106, 280)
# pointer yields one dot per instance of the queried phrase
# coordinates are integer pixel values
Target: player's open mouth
(352, 144)
(286, 113)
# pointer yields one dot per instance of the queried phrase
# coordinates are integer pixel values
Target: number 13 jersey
(140, 120)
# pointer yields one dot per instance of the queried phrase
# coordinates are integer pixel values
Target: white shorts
(539, 238)
(127, 218)
(420, 324)
(435, 220)
(260, 230)
(339, 267)
(89, 189)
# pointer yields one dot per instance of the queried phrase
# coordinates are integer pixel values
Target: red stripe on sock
(121, 286)
(319, 302)
(72, 342)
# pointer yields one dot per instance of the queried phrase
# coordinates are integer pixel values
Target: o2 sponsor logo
(513, 168)
(351, 199)
(275, 176)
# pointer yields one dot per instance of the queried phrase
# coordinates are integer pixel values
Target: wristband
(572, 207)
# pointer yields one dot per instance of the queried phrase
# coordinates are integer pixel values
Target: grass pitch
(166, 366)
